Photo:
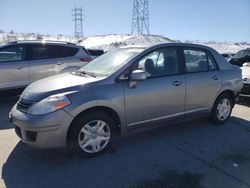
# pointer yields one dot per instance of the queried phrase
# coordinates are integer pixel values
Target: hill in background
(108, 42)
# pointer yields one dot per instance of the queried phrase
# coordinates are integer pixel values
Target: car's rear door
(41, 64)
(161, 96)
(203, 80)
(13, 67)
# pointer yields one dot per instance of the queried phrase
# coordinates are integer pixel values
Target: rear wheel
(222, 109)
(91, 134)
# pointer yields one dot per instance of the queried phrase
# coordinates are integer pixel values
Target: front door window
(162, 62)
(14, 53)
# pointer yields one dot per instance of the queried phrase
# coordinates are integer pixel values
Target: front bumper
(45, 131)
(245, 91)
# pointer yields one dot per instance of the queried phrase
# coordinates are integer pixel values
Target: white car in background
(245, 91)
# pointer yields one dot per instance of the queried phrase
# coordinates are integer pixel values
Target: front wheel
(222, 109)
(91, 134)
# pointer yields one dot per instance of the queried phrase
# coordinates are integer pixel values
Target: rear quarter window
(62, 51)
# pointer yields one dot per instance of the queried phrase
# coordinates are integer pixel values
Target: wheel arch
(213, 115)
(111, 112)
(230, 93)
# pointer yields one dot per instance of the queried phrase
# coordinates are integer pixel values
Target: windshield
(242, 53)
(110, 62)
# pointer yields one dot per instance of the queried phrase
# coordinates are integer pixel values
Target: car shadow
(245, 101)
(132, 158)
(32, 167)
(6, 103)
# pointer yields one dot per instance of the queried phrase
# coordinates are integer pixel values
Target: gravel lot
(192, 154)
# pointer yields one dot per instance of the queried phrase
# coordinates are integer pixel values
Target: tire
(222, 109)
(91, 134)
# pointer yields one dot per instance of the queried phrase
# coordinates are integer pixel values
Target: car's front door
(14, 71)
(203, 80)
(162, 94)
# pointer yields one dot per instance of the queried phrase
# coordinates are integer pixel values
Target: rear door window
(40, 52)
(52, 51)
(198, 61)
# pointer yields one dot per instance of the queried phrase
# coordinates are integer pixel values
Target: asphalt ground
(187, 155)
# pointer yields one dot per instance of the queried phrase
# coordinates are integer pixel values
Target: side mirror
(138, 75)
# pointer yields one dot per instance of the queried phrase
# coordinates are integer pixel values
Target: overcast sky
(219, 20)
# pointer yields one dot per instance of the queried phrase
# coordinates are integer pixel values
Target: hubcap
(223, 109)
(94, 136)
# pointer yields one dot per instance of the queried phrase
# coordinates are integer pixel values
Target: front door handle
(177, 83)
(216, 77)
(59, 63)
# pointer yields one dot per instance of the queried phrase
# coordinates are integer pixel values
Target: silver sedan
(124, 89)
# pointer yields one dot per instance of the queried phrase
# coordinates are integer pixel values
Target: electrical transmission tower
(140, 18)
(78, 19)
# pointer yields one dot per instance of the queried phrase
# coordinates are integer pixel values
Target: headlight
(49, 104)
(246, 80)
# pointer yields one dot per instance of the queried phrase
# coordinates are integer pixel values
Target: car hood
(61, 83)
(245, 72)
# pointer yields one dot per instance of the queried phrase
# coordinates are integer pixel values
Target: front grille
(28, 135)
(31, 136)
(23, 105)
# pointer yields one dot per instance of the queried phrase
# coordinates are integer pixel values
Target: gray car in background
(124, 89)
(23, 62)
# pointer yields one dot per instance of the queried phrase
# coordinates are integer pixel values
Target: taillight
(87, 59)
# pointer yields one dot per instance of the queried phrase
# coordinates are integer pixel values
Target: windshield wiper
(88, 73)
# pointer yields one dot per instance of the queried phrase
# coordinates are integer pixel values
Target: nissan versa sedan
(123, 89)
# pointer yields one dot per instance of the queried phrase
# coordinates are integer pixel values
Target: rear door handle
(177, 83)
(19, 67)
(59, 63)
(216, 77)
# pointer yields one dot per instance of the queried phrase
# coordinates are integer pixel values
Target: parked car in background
(23, 62)
(245, 91)
(227, 56)
(123, 89)
(241, 57)
(95, 52)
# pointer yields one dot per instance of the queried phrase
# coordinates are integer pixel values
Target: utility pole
(78, 19)
(140, 18)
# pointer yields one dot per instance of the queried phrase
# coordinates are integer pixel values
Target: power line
(140, 18)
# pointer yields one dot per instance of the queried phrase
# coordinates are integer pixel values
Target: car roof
(40, 42)
(247, 49)
(156, 45)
